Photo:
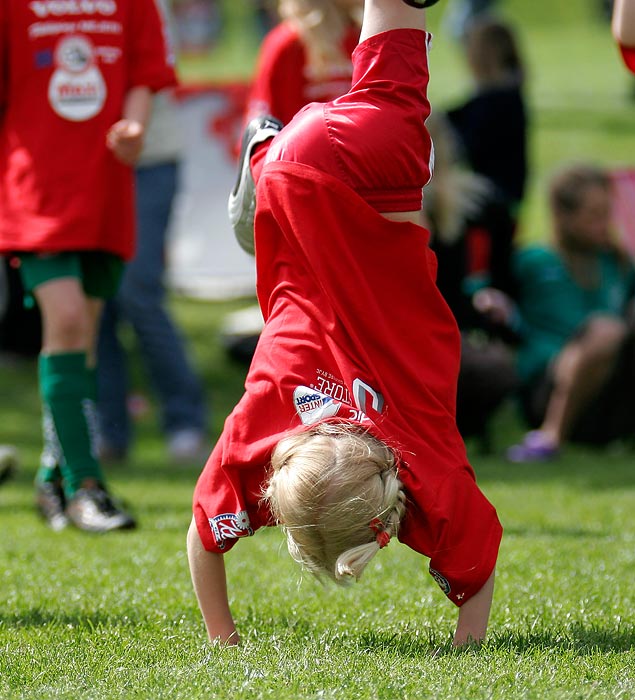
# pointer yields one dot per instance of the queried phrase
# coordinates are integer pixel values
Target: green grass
(115, 617)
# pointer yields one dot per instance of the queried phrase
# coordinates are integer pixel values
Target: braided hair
(335, 490)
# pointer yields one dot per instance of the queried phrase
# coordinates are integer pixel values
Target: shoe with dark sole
(422, 4)
(241, 206)
(93, 510)
(51, 504)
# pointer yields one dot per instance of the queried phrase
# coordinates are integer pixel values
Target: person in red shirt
(347, 424)
(75, 87)
(305, 58)
(623, 27)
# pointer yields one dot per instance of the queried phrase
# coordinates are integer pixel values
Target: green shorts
(99, 272)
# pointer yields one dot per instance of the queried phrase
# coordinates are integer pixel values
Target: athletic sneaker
(534, 448)
(51, 504)
(92, 509)
(241, 206)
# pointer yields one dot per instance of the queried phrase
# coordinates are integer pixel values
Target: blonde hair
(322, 25)
(328, 486)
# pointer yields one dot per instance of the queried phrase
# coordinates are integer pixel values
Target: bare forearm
(474, 615)
(623, 24)
(138, 105)
(125, 137)
(210, 585)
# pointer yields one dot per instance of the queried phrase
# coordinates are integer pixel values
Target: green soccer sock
(67, 391)
(51, 456)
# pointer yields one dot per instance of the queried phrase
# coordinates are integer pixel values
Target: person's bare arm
(384, 15)
(474, 616)
(623, 23)
(210, 585)
(125, 137)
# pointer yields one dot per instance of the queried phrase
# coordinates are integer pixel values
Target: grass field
(114, 617)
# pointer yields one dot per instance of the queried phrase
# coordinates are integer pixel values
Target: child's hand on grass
(125, 140)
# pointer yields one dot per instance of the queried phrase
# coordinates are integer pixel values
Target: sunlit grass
(115, 616)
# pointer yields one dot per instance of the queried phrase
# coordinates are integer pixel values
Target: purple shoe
(533, 448)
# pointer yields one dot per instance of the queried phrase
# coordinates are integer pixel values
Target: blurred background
(580, 100)
(581, 105)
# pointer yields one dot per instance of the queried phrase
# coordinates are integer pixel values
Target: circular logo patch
(74, 54)
(77, 90)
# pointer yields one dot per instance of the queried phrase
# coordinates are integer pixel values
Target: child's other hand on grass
(125, 140)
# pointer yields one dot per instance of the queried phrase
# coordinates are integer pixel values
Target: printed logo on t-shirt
(77, 90)
(59, 8)
(366, 397)
(230, 526)
(312, 405)
(329, 397)
(444, 584)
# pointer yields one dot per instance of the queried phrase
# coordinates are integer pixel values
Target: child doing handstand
(346, 433)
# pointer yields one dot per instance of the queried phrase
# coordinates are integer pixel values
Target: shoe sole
(241, 206)
(57, 522)
(125, 525)
(422, 4)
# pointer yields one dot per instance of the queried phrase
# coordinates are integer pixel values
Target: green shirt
(553, 305)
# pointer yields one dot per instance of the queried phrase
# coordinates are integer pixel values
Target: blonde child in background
(305, 58)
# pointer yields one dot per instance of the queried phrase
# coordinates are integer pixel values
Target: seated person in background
(576, 357)
(462, 207)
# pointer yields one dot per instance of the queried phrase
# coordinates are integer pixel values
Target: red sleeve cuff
(467, 549)
(628, 55)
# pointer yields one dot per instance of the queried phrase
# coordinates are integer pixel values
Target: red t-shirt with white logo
(355, 329)
(65, 68)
